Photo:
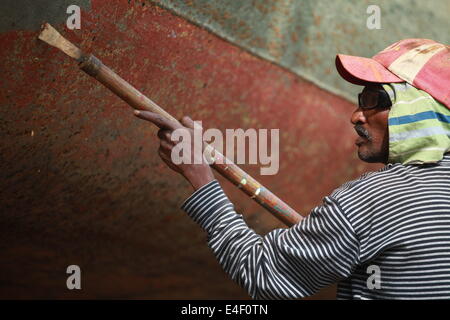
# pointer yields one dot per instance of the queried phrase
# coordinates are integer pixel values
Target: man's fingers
(188, 122)
(166, 145)
(164, 134)
(162, 153)
(167, 160)
(157, 119)
(164, 156)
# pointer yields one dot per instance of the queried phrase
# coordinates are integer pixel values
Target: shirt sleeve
(286, 263)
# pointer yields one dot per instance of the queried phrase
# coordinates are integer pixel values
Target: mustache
(362, 132)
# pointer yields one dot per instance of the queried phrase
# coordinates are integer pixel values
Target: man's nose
(358, 117)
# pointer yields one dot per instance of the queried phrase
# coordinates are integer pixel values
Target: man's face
(372, 128)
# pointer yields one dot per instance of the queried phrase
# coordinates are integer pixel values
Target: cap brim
(361, 71)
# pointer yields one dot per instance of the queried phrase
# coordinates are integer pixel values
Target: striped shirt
(385, 235)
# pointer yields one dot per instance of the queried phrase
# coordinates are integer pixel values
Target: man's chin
(371, 157)
(367, 159)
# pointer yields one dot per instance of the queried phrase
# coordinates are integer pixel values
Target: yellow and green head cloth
(419, 126)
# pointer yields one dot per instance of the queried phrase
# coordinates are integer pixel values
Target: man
(383, 235)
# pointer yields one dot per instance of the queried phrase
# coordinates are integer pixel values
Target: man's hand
(197, 174)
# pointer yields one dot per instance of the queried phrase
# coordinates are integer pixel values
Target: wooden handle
(95, 68)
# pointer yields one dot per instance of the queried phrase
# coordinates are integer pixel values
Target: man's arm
(286, 263)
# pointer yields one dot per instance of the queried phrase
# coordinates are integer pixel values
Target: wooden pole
(96, 69)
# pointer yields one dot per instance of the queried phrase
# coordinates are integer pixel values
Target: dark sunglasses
(374, 98)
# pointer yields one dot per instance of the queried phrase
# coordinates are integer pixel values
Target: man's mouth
(360, 140)
(363, 134)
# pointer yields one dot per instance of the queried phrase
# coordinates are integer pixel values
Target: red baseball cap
(423, 63)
